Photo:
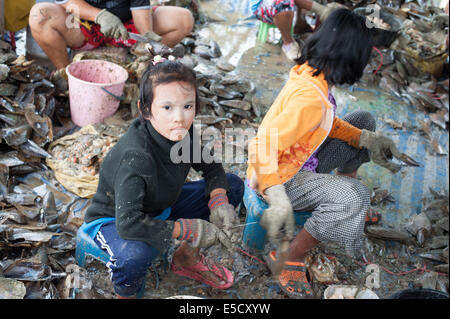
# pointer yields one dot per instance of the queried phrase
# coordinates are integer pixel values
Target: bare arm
(143, 20)
(304, 4)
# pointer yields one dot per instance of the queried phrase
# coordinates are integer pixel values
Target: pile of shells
(410, 68)
(430, 228)
(41, 218)
(225, 94)
(32, 115)
(396, 75)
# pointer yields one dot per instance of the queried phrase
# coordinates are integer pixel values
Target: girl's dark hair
(160, 73)
(340, 48)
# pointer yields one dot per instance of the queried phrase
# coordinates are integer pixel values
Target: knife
(149, 37)
(138, 37)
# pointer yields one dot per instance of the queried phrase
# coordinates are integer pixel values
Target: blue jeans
(130, 259)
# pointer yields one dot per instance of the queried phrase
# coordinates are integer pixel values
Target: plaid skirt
(338, 203)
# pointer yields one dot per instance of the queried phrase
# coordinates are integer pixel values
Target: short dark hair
(164, 72)
(340, 48)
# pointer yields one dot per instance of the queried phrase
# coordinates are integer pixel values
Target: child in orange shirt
(311, 142)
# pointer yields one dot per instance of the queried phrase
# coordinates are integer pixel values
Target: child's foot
(292, 279)
(206, 272)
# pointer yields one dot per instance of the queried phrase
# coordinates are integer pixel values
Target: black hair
(340, 48)
(160, 73)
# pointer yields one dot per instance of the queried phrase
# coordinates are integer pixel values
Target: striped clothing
(338, 203)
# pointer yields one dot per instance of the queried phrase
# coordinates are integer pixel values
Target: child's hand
(225, 218)
(279, 216)
(198, 232)
(380, 145)
(222, 213)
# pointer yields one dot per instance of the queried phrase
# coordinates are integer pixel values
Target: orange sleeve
(346, 132)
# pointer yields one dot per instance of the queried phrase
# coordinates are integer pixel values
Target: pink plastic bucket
(95, 90)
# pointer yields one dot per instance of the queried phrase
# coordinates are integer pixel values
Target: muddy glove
(381, 149)
(110, 25)
(279, 216)
(152, 36)
(225, 218)
(223, 215)
(324, 11)
(198, 232)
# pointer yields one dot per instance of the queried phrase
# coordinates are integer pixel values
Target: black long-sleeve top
(138, 180)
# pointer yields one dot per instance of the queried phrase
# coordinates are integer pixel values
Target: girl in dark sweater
(142, 200)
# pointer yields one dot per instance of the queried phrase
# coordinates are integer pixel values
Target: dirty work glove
(59, 79)
(198, 232)
(223, 215)
(324, 11)
(153, 36)
(110, 25)
(381, 149)
(279, 216)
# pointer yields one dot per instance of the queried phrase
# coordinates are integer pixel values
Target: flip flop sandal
(372, 217)
(292, 280)
(204, 265)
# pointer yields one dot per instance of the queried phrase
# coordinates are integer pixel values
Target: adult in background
(87, 24)
(281, 13)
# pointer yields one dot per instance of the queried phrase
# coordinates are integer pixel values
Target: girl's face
(173, 109)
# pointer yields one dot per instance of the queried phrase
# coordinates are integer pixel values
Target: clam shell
(225, 66)
(237, 104)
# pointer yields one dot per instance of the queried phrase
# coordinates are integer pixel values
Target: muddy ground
(398, 261)
(399, 265)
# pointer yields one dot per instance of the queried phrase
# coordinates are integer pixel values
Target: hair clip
(158, 59)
